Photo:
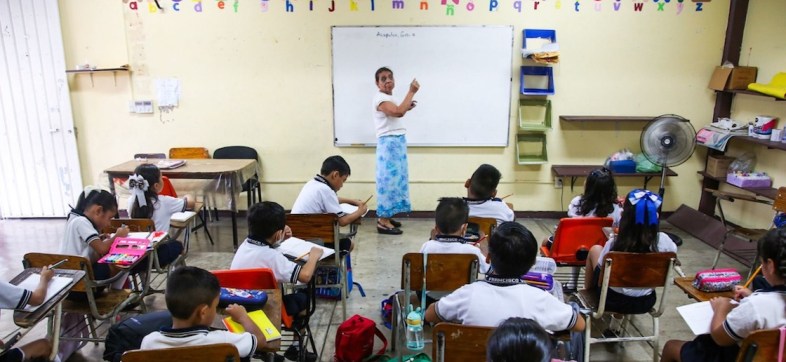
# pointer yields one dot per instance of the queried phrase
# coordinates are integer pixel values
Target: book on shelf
(299, 249)
(126, 251)
(56, 284)
(261, 320)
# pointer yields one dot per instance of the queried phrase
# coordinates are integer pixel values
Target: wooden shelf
(767, 192)
(767, 143)
(750, 93)
(605, 119)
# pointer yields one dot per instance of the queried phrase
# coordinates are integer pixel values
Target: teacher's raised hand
(414, 86)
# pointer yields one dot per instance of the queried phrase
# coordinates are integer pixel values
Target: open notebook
(261, 320)
(298, 249)
(56, 284)
(347, 208)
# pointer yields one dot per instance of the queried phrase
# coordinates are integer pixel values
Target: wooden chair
(629, 270)
(572, 241)
(103, 302)
(751, 235)
(443, 272)
(198, 153)
(324, 228)
(264, 278)
(221, 352)
(243, 152)
(484, 224)
(459, 343)
(188, 153)
(760, 346)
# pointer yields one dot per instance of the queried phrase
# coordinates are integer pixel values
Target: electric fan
(668, 141)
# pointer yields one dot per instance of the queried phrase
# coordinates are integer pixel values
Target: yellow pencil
(301, 257)
(368, 199)
(752, 276)
(505, 197)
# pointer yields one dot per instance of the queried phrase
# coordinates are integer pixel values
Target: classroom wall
(263, 79)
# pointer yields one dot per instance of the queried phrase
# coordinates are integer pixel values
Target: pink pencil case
(716, 280)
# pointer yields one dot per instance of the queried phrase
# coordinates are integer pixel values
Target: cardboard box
(732, 78)
(717, 166)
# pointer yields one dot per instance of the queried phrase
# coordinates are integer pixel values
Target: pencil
(59, 263)
(301, 257)
(752, 276)
(368, 199)
(505, 197)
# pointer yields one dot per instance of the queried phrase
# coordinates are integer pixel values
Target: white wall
(263, 79)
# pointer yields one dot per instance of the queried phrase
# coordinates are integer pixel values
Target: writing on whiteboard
(390, 34)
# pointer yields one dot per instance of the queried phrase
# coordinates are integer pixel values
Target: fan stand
(662, 191)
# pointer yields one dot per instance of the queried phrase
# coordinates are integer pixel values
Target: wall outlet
(558, 182)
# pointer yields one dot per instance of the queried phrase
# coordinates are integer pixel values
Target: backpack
(355, 339)
(128, 334)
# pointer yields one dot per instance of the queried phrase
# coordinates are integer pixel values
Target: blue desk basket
(527, 88)
(549, 34)
(623, 166)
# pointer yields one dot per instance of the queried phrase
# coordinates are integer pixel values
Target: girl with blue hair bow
(638, 233)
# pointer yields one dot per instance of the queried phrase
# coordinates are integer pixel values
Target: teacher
(392, 173)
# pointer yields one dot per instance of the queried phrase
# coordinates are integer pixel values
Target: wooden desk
(272, 309)
(228, 173)
(27, 320)
(686, 284)
(575, 171)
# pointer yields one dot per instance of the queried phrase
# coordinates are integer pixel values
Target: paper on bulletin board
(167, 91)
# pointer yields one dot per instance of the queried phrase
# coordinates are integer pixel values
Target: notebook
(298, 249)
(260, 319)
(347, 208)
(56, 284)
(125, 251)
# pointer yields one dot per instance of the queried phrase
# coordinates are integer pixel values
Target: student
(451, 225)
(14, 297)
(266, 229)
(518, 337)
(93, 212)
(638, 234)
(192, 298)
(145, 202)
(598, 200)
(319, 196)
(481, 193)
(512, 251)
(730, 324)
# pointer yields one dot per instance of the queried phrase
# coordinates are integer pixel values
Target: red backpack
(355, 339)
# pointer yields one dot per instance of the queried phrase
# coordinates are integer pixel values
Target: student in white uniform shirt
(145, 202)
(451, 225)
(319, 196)
(512, 252)
(192, 298)
(482, 192)
(14, 297)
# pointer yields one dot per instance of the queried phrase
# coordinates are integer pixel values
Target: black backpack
(128, 334)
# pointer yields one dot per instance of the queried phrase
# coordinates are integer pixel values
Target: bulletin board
(464, 73)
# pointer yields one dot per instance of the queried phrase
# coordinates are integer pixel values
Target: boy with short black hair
(266, 229)
(192, 298)
(319, 196)
(482, 192)
(451, 225)
(512, 252)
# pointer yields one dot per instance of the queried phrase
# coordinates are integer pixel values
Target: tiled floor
(376, 265)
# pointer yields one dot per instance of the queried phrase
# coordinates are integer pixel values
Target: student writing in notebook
(731, 323)
(14, 297)
(266, 230)
(145, 202)
(319, 196)
(482, 193)
(93, 212)
(192, 298)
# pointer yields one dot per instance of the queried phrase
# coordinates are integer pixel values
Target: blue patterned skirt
(392, 176)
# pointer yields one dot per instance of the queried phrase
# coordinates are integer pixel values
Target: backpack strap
(381, 336)
(781, 344)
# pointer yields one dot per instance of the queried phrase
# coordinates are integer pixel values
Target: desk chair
(572, 241)
(252, 184)
(197, 153)
(630, 270)
(443, 272)
(751, 235)
(263, 278)
(459, 343)
(223, 352)
(484, 224)
(760, 346)
(100, 305)
(324, 228)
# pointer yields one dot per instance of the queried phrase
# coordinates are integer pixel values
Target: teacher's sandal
(382, 229)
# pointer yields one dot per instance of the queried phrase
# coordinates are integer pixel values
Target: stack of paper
(170, 164)
(56, 284)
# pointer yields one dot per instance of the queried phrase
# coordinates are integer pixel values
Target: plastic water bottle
(414, 331)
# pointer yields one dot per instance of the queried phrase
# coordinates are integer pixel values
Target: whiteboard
(464, 74)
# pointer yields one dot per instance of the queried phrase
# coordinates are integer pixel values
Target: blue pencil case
(249, 297)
